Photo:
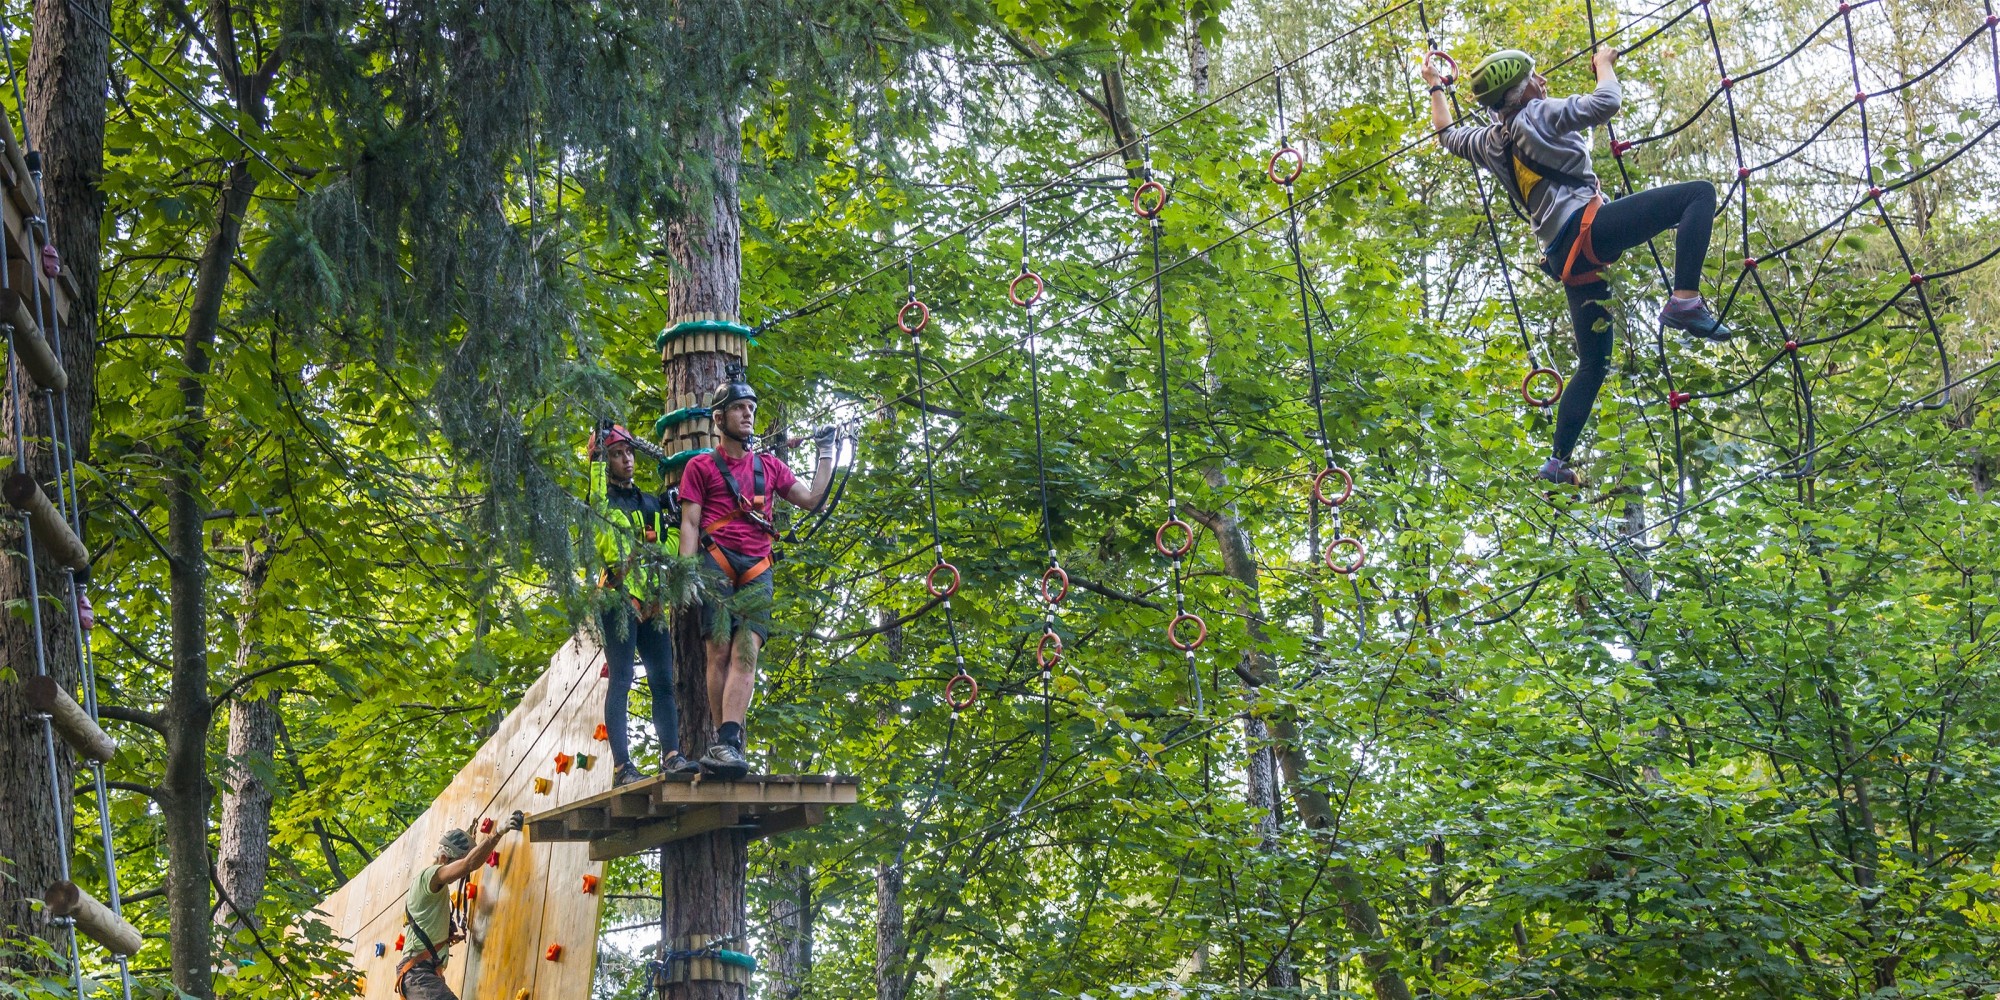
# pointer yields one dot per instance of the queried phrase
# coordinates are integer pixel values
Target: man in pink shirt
(726, 513)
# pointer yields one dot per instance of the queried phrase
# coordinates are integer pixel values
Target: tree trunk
(67, 70)
(706, 873)
(1240, 562)
(890, 947)
(187, 792)
(244, 858)
(790, 954)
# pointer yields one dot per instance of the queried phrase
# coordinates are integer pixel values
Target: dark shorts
(422, 982)
(748, 606)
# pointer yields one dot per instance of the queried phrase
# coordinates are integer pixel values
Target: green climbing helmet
(1499, 73)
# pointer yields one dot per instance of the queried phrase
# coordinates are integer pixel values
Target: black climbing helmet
(734, 390)
(1498, 74)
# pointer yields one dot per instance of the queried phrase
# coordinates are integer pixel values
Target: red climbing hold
(486, 825)
(1062, 576)
(1346, 486)
(931, 580)
(563, 761)
(604, 671)
(961, 691)
(1298, 163)
(554, 952)
(1149, 199)
(399, 942)
(1174, 551)
(1174, 632)
(471, 891)
(923, 319)
(1015, 295)
(1676, 400)
(493, 860)
(1527, 386)
(590, 884)
(1049, 651)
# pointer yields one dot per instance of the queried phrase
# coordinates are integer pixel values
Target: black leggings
(1621, 225)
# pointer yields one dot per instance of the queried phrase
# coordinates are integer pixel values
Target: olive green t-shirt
(430, 911)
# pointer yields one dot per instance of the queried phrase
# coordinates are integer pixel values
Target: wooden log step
(36, 355)
(93, 919)
(51, 531)
(69, 719)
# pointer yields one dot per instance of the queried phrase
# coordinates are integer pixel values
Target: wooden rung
(36, 355)
(51, 531)
(93, 919)
(76, 726)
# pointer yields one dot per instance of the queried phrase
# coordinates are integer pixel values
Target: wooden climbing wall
(534, 897)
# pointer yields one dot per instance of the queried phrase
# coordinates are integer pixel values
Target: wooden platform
(645, 814)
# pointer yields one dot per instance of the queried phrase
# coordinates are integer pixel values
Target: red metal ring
(1013, 289)
(930, 580)
(1046, 657)
(958, 680)
(1544, 401)
(1450, 74)
(1346, 489)
(923, 316)
(1298, 165)
(1139, 197)
(1360, 555)
(1060, 574)
(1160, 539)
(1174, 636)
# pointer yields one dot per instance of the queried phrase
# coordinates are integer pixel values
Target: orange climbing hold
(600, 733)
(554, 952)
(563, 761)
(590, 884)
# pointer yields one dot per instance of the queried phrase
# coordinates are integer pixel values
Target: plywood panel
(533, 897)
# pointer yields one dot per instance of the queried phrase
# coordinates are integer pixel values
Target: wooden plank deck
(645, 814)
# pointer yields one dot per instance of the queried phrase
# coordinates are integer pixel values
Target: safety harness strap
(1581, 245)
(754, 509)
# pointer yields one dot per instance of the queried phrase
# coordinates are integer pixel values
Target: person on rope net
(432, 923)
(627, 522)
(726, 512)
(1539, 149)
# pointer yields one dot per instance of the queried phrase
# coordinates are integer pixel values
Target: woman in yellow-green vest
(626, 526)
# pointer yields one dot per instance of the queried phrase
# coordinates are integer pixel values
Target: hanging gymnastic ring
(923, 316)
(1045, 656)
(1450, 70)
(1150, 188)
(1528, 380)
(1319, 483)
(1060, 574)
(1014, 288)
(1160, 539)
(960, 703)
(1298, 165)
(930, 580)
(1174, 634)
(1360, 555)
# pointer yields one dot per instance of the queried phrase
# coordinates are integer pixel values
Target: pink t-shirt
(702, 484)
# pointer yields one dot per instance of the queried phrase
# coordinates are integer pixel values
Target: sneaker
(1557, 471)
(677, 763)
(1692, 316)
(626, 774)
(725, 762)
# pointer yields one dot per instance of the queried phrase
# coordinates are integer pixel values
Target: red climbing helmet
(608, 434)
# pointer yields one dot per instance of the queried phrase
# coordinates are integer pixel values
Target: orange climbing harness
(755, 508)
(1581, 245)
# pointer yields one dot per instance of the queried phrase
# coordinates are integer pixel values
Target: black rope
(1174, 552)
(1050, 637)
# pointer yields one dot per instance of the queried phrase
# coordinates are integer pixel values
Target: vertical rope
(1173, 523)
(1048, 649)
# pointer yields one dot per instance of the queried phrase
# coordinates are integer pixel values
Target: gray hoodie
(1554, 133)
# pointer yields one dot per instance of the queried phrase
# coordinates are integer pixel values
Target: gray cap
(455, 843)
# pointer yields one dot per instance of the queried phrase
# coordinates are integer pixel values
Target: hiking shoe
(725, 762)
(677, 763)
(1692, 316)
(1557, 471)
(626, 774)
